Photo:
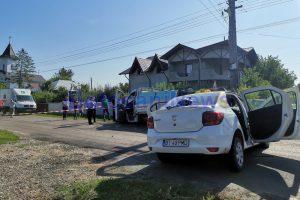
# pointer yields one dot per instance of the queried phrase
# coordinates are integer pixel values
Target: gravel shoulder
(32, 169)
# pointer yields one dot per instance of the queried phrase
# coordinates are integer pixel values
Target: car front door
(293, 131)
(269, 112)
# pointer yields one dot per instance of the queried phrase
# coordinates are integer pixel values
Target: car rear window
(204, 99)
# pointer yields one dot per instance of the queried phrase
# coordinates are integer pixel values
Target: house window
(188, 69)
(140, 72)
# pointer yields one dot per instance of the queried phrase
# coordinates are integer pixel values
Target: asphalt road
(269, 174)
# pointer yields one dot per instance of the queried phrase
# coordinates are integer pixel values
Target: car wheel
(164, 157)
(237, 154)
(264, 145)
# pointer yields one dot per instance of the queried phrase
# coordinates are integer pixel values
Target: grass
(128, 189)
(7, 137)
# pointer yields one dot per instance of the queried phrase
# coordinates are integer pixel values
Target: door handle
(286, 115)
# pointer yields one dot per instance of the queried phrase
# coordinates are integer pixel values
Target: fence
(57, 107)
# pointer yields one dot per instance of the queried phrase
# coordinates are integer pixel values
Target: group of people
(90, 105)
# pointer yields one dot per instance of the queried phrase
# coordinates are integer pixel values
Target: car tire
(236, 154)
(164, 157)
(264, 145)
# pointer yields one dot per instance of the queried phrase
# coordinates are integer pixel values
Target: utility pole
(21, 75)
(91, 83)
(232, 42)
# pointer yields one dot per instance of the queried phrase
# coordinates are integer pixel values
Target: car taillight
(150, 123)
(210, 118)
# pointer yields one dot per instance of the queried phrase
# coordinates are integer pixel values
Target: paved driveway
(270, 174)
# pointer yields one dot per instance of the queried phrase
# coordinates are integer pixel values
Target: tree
(251, 78)
(23, 69)
(164, 86)
(3, 86)
(124, 87)
(85, 88)
(63, 74)
(271, 69)
(60, 94)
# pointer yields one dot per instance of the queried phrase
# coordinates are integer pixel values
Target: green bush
(44, 96)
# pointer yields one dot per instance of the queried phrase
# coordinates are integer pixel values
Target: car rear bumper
(199, 142)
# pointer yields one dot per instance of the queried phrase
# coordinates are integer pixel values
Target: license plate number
(175, 143)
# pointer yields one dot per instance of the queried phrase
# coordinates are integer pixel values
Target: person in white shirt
(12, 106)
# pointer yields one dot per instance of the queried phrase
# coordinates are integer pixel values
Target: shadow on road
(271, 177)
(133, 128)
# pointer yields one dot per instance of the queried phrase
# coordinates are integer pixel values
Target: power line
(130, 34)
(134, 42)
(220, 22)
(162, 32)
(278, 23)
(182, 23)
(274, 36)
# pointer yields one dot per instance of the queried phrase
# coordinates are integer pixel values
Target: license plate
(175, 143)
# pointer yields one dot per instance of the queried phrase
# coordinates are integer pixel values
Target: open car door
(293, 131)
(269, 113)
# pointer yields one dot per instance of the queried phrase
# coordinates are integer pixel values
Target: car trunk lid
(179, 119)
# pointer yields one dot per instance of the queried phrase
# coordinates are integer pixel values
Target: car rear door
(269, 112)
(293, 131)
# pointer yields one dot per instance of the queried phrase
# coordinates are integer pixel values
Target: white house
(69, 85)
(7, 60)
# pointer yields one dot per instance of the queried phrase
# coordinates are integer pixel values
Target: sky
(105, 36)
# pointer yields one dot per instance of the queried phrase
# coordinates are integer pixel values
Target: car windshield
(24, 98)
(203, 99)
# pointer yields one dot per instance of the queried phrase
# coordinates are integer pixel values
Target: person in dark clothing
(89, 106)
(76, 104)
(105, 107)
(94, 109)
(113, 108)
(65, 108)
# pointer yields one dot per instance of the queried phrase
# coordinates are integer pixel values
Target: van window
(24, 98)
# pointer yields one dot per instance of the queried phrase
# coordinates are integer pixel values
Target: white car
(223, 123)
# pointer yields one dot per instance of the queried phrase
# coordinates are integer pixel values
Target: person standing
(105, 107)
(12, 106)
(65, 108)
(76, 104)
(94, 109)
(89, 107)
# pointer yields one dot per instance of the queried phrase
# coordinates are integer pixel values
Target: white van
(22, 97)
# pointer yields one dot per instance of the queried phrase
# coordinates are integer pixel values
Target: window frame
(186, 69)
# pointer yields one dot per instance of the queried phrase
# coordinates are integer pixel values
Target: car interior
(236, 108)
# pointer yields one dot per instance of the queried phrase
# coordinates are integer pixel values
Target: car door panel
(265, 122)
(293, 131)
(269, 112)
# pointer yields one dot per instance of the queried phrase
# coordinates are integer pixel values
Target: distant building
(36, 82)
(69, 85)
(199, 68)
(7, 61)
